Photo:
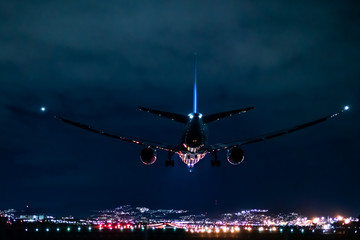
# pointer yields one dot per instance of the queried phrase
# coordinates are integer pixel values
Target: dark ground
(170, 234)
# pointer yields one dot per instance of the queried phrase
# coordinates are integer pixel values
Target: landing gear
(215, 162)
(169, 162)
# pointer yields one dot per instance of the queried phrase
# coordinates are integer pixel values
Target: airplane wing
(221, 146)
(165, 147)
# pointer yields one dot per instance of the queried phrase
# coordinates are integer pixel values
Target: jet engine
(148, 156)
(235, 155)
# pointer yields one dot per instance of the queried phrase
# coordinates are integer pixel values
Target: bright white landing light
(43, 109)
(346, 108)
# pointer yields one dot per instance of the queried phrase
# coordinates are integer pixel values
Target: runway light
(58, 229)
(26, 230)
(68, 229)
(47, 229)
(89, 229)
(36, 229)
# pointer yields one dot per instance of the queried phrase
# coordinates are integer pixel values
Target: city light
(257, 221)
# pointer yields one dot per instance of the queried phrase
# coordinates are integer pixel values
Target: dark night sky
(96, 61)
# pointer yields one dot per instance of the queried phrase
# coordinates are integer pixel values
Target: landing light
(191, 116)
(346, 108)
(43, 109)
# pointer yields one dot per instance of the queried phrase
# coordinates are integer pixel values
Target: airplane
(193, 145)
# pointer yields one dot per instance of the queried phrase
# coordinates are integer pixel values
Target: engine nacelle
(235, 155)
(148, 156)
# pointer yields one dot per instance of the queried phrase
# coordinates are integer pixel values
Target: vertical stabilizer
(195, 90)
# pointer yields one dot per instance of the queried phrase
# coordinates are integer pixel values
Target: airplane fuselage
(193, 141)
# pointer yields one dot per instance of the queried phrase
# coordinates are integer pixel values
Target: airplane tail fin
(195, 90)
(173, 116)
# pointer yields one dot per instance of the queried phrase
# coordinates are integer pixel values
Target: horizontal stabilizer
(173, 116)
(216, 116)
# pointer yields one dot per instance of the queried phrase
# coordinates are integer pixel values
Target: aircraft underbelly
(191, 158)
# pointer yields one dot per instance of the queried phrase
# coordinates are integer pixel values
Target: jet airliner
(193, 145)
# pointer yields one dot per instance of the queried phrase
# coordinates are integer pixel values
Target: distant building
(32, 218)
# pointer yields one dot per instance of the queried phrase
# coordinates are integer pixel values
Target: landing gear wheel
(169, 163)
(215, 163)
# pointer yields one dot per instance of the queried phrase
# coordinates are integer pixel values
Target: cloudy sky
(96, 61)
